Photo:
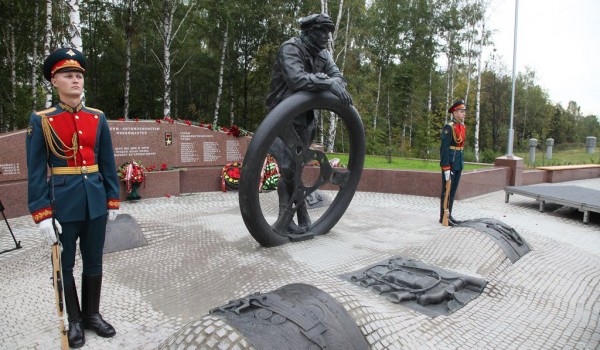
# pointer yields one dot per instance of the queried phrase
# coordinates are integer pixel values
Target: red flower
(209, 126)
(163, 167)
(188, 122)
(137, 119)
(121, 119)
(158, 121)
(235, 131)
(233, 173)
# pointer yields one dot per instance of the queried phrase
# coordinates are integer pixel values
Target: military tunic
(77, 196)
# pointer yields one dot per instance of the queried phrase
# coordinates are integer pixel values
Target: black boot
(90, 299)
(450, 217)
(76, 335)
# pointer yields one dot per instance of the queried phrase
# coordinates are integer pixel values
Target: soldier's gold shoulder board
(94, 109)
(45, 111)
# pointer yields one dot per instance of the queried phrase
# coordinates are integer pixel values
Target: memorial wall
(197, 151)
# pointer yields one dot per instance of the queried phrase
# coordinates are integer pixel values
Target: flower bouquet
(132, 174)
(230, 176)
(269, 175)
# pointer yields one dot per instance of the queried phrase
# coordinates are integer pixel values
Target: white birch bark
(34, 59)
(470, 43)
(11, 53)
(167, 27)
(74, 31)
(231, 105)
(47, 37)
(377, 99)
(221, 69)
(478, 97)
(167, 35)
(128, 36)
(333, 119)
(74, 28)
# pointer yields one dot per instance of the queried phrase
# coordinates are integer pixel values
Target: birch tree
(47, 39)
(34, 59)
(221, 69)
(333, 119)
(74, 31)
(129, 31)
(8, 37)
(167, 34)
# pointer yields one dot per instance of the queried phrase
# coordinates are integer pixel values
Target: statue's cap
(65, 59)
(321, 20)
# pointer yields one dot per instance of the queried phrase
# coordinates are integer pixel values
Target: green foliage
(394, 55)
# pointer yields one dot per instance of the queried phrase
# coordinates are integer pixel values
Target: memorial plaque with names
(143, 141)
(13, 157)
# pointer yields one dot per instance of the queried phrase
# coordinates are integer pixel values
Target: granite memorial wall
(196, 155)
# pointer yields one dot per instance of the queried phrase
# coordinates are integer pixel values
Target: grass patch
(566, 157)
(380, 162)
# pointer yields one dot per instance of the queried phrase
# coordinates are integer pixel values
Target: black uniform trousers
(91, 235)
(455, 178)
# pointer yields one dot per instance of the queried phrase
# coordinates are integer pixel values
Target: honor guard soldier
(72, 142)
(451, 155)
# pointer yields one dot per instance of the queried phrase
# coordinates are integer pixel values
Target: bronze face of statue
(303, 64)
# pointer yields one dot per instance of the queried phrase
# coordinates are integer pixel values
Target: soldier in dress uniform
(451, 155)
(73, 143)
(303, 64)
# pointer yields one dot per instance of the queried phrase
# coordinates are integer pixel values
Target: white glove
(112, 214)
(48, 231)
(447, 174)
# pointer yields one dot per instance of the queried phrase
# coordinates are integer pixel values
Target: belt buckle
(84, 169)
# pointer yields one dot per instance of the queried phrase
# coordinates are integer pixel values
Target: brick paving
(200, 256)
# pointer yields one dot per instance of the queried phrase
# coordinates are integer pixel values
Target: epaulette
(94, 109)
(45, 111)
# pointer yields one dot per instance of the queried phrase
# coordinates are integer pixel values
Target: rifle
(59, 289)
(446, 197)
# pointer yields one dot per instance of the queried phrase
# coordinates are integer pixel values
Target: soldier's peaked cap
(65, 59)
(459, 104)
(321, 19)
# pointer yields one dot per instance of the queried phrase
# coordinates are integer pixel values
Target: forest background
(210, 61)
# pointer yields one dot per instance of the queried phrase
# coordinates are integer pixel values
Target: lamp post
(511, 131)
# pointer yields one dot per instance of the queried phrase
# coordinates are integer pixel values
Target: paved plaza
(199, 256)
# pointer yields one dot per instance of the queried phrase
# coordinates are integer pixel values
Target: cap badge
(71, 53)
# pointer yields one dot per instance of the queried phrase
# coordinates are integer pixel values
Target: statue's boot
(284, 197)
(303, 218)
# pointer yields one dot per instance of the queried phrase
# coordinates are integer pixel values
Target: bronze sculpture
(305, 78)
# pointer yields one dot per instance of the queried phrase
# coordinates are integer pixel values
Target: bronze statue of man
(303, 64)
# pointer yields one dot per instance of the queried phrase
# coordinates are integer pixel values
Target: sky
(559, 40)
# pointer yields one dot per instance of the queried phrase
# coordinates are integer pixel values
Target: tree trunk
(129, 35)
(34, 59)
(333, 119)
(74, 30)
(231, 105)
(47, 38)
(470, 43)
(377, 99)
(167, 26)
(11, 57)
(221, 69)
(478, 98)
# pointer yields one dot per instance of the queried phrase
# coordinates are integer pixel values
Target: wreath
(269, 175)
(131, 173)
(230, 176)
